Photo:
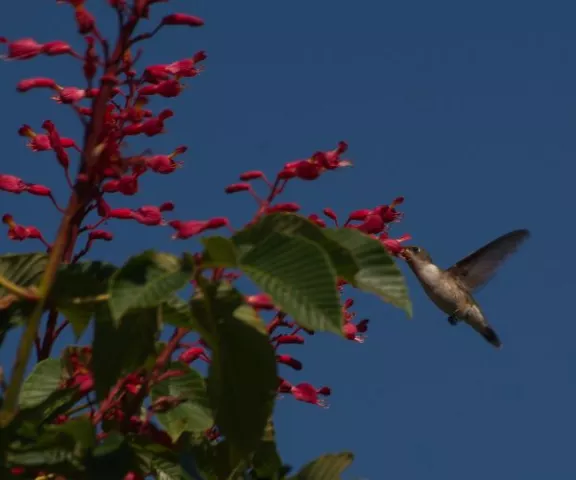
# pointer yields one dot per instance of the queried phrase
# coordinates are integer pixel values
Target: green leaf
(298, 226)
(75, 289)
(267, 462)
(44, 380)
(147, 280)
(120, 350)
(242, 379)
(25, 270)
(112, 458)
(299, 277)
(326, 467)
(194, 415)
(377, 272)
(220, 252)
(159, 460)
(57, 448)
(80, 280)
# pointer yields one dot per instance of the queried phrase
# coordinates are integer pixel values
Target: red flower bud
(284, 207)
(100, 235)
(39, 190)
(23, 49)
(182, 19)
(359, 214)
(261, 301)
(307, 170)
(289, 339)
(238, 187)
(38, 82)
(12, 184)
(193, 353)
(251, 175)
(330, 214)
(290, 361)
(56, 47)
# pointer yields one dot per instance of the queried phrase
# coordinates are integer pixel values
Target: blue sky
(466, 109)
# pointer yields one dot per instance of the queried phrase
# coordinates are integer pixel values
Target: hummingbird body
(451, 290)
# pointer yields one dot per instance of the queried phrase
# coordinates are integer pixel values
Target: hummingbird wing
(479, 267)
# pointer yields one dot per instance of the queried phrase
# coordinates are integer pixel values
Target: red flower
(289, 339)
(193, 353)
(393, 245)
(57, 47)
(305, 392)
(37, 82)
(251, 175)
(261, 301)
(12, 184)
(100, 235)
(290, 361)
(23, 49)
(182, 19)
(238, 187)
(290, 207)
(190, 228)
(39, 190)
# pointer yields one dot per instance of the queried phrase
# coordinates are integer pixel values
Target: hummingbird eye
(416, 249)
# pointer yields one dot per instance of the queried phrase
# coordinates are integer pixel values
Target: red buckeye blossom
(166, 88)
(39, 190)
(151, 127)
(260, 301)
(23, 49)
(40, 142)
(317, 220)
(238, 187)
(56, 47)
(290, 361)
(182, 19)
(289, 207)
(393, 245)
(372, 224)
(251, 175)
(191, 354)
(190, 228)
(38, 82)
(19, 233)
(305, 392)
(12, 184)
(289, 339)
(100, 235)
(151, 215)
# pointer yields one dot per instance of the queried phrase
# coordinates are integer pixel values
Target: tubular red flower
(57, 47)
(330, 214)
(39, 190)
(305, 392)
(290, 207)
(121, 213)
(190, 355)
(38, 82)
(187, 229)
(317, 220)
(290, 361)
(84, 19)
(393, 246)
(261, 301)
(289, 339)
(100, 235)
(307, 170)
(23, 49)
(238, 187)
(372, 224)
(182, 19)
(12, 184)
(251, 175)
(359, 214)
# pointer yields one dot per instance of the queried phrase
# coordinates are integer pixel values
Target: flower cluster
(112, 105)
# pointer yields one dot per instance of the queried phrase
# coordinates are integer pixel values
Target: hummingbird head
(415, 255)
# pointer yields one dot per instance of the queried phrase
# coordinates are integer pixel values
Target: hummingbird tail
(491, 336)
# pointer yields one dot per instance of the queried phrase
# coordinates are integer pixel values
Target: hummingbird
(451, 289)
